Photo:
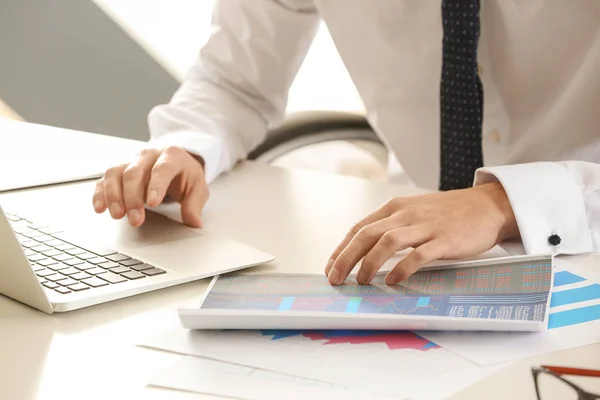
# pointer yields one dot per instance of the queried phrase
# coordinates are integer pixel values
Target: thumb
(192, 205)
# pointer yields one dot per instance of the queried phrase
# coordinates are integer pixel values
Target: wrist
(495, 193)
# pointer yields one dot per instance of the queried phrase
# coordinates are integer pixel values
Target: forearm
(237, 89)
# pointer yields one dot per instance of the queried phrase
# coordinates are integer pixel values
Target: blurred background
(100, 66)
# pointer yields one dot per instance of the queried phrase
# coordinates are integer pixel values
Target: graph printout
(508, 291)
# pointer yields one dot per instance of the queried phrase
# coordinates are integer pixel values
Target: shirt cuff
(209, 147)
(546, 201)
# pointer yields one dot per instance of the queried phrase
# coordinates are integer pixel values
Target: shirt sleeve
(237, 88)
(552, 198)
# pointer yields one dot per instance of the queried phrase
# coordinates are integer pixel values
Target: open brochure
(501, 294)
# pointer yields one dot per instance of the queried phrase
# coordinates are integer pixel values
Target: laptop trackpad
(157, 229)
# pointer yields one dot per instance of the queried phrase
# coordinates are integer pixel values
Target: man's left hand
(441, 226)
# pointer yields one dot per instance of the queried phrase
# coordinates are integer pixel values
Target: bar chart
(574, 296)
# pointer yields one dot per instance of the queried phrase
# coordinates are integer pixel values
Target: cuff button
(554, 240)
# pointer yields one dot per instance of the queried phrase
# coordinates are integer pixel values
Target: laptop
(56, 270)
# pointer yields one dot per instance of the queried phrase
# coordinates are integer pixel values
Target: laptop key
(45, 272)
(79, 276)
(112, 278)
(37, 226)
(73, 261)
(97, 260)
(129, 263)
(75, 251)
(51, 285)
(62, 257)
(109, 265)
(29, 243)
(36, 257)
(52, 253)
(58, 267)
(67, 282)
(56, 277)
(12, 217)
(29, 253)
(63, 290)
(69, 271)
(154, 271)
(63, 247)
(78, 287)
(50, 230)
(118, 257)
(133, 275)
(99, 251)
(120, 270)
(95, 271)
(86, 256)
(141, 267)
(95, 282)
(40, 248)
(47, 261)
(44, 238)
(85, 266)
(36, 267)
(54, 242)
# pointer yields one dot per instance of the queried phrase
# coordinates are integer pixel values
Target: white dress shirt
(539, 64)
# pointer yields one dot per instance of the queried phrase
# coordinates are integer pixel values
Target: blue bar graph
(423, 301)
(566, 278)
(573, 317)
(591, 292)
(286, 303)
(353, 304)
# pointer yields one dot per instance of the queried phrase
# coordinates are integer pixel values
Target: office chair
(313, 127)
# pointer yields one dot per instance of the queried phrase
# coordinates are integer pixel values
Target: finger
(166, 168)
(113, 190)
(426, 253)
(135, 180)
(193, 203)
(391, 242)
(359, 246)
(385, 211)
(98, 198)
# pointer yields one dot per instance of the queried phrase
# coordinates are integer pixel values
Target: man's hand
(126, 188)
(448, 225)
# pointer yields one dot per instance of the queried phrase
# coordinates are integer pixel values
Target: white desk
(91, 353)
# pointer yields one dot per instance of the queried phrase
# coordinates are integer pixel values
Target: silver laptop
(56, 271)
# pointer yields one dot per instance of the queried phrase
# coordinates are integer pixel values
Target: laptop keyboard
(66, 265)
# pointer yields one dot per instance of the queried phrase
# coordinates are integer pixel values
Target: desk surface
(92, 352)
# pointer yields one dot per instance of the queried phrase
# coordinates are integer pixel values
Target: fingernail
(152, 197)
(328, 267)
(362, 277)
(334, 276)
(391, 279)
(115, 210)
(134, 216)
(98, 205)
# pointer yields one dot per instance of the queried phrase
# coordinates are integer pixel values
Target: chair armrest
(312, 127)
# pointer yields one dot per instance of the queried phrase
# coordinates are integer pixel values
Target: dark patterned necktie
(461, 94)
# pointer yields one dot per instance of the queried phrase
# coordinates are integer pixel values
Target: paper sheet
(395, 364)
(574, 321)
(204, 376)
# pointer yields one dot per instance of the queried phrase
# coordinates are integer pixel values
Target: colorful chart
(394, 340)
(576, 295)
(509, 291)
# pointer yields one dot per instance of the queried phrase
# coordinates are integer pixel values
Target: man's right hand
(126, 188)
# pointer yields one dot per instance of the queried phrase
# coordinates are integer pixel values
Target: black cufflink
(554, 240)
